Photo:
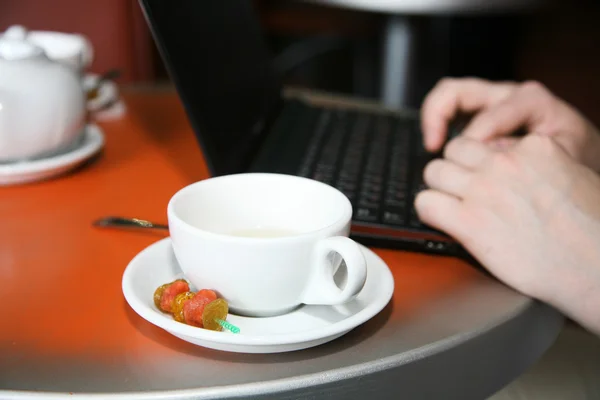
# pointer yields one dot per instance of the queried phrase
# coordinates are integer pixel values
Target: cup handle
(321, 288)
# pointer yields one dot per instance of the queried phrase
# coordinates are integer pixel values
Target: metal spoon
(122, 222)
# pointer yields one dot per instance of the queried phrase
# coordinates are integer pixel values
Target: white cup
(266, 243)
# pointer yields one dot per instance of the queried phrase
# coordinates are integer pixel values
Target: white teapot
(42, 102)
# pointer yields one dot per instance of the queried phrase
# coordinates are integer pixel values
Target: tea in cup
(266, 243)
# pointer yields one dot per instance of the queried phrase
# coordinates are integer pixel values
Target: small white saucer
(43, 168)
(302, 328)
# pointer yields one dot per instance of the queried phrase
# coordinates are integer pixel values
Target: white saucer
(34, 170)
(305, 327)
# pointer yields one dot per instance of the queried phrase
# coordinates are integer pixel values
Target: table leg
(397, 47)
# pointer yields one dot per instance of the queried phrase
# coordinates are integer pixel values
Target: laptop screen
(215, 55)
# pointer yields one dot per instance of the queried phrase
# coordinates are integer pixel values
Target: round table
(449, 332)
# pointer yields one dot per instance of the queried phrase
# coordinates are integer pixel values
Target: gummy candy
(214, 312)
(158, 294)
(193, 309)
(178, 304)
(203, 309)
(165, 294)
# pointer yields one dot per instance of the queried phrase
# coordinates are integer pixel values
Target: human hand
(530, 214)
(503, 108)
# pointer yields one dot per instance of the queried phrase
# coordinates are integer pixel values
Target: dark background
(557, 45)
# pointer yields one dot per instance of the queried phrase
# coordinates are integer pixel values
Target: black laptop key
(367, 214)
(397, 185)
(373, 178)
(395, 193)
(395, 215)
(397, 201)
(350, 194)
(346, 183)
(372, 187)
(422, 158)
(320, 130)
(329, 158)
(369, 199)
(370, 196)
(372, 183)
(353, 157)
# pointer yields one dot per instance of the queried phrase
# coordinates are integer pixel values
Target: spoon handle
(121, 222)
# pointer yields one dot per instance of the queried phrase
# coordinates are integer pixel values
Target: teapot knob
(15, 46)
(18, 32)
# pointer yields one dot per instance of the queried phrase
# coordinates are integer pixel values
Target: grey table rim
(292, 383)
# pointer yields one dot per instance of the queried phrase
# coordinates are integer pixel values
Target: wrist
(572, 284)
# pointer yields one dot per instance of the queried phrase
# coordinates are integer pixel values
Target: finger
(441, 211)
(504, 143)
(466, 152)
(447, 177)
(521, 109)
(452, 96)
(542, 147)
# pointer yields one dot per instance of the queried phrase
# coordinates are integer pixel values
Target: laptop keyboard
(375, 160)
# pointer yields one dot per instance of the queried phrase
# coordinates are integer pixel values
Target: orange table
(66, 327)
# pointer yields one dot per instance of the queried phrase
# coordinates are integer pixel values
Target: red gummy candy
(194, 307)
(166, 300)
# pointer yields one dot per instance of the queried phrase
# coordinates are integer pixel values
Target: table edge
(543, 324)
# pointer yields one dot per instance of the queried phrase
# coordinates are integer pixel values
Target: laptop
(245, 121)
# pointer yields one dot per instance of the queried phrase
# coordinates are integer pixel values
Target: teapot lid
(15, 46)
